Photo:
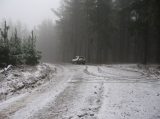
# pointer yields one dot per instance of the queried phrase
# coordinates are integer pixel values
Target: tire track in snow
(52, 90)
(108, 77)
(79, 100)
(117, 74)
(85, 92)
(29, 104)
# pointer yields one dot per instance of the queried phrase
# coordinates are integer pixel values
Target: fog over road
(90, 92)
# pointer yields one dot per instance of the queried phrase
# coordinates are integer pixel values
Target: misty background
(104, 31)
(26, 15)
(29, 12)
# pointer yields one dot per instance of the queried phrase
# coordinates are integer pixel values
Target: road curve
(89, 92)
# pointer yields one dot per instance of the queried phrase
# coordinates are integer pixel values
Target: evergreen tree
(4, 45)
(31, 55)
(110, 31)
(15, 51)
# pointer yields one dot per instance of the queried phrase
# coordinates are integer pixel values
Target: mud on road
(89, 92)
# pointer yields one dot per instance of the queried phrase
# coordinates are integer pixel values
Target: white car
(79, 60)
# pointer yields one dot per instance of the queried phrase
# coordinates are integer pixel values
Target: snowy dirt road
(89, 92)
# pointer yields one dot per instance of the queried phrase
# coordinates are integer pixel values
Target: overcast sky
(30, 12)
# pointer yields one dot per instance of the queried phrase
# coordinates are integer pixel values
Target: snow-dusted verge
(87, 92)
(21, 79)
(131, 72)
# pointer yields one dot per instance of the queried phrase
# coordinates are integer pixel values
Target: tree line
(16, 50)
(109, 31)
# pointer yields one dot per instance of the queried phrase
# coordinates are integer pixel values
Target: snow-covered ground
(82, 92)
(21, 79)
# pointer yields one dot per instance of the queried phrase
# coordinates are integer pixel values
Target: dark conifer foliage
(4, 45)
(110, 31)
(15, 50)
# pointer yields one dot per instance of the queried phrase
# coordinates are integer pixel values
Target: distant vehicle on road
(79, 60)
